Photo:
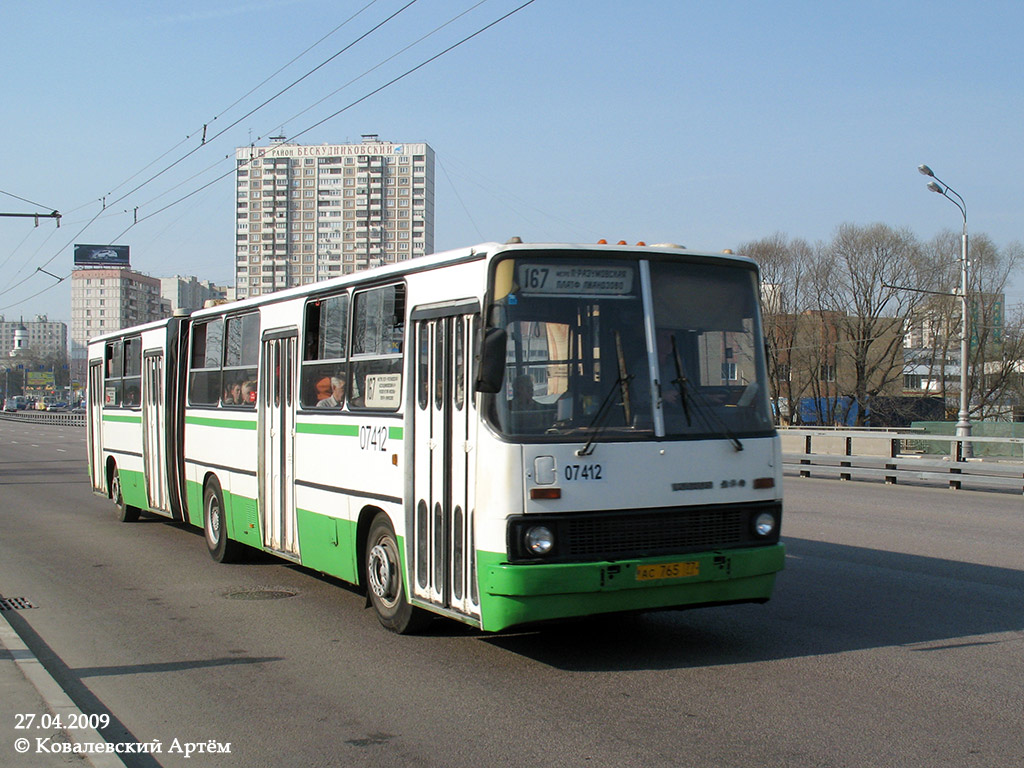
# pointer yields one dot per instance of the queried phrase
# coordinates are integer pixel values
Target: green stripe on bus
(345, 430)
(123, 419)
(205, 421)
(342, 430)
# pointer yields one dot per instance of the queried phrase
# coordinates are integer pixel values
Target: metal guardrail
(64, 418)
(890, 456)
(893, 456)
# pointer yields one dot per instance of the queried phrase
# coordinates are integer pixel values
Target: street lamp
(963, 424)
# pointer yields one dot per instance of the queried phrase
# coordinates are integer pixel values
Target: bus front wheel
(383, 570)
(125, 512)
(215, 527)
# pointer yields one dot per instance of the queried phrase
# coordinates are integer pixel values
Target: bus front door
(276, 436)
(444, 489)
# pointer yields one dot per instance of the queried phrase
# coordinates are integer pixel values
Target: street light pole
(963, 424)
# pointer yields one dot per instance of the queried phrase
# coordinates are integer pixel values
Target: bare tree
(784, 267)
(994, 344)
(994, 354)
(860, 280)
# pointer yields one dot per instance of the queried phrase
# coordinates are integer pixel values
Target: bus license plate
(667, 570)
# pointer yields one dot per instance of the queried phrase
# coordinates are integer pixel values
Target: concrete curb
(55, 699)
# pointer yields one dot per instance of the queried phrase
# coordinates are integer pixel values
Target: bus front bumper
(522, 594)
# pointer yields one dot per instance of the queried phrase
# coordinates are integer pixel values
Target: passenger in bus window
(337, 396)
(322, 389)
(248, 393)
(233, 394)
(131, 396)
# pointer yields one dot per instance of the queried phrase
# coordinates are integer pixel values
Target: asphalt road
(896, 638)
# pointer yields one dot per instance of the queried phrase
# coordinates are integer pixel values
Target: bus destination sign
(576, 279)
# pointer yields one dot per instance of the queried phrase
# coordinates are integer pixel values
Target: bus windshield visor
(583, 362)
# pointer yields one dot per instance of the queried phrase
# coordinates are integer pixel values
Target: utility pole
(36, 216)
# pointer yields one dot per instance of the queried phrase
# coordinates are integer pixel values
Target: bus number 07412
(583, 472)
(373, 438)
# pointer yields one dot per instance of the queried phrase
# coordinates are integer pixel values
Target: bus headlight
(539, 539)
(764, 524)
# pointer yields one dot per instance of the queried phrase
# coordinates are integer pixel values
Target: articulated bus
(503, 435)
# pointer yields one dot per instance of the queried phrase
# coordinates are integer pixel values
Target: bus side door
(94, 422)
(276, 442)
(442, 547)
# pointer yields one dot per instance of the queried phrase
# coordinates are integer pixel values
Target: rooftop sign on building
(101, 255)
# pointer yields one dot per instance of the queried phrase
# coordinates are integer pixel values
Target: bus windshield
(585, 361)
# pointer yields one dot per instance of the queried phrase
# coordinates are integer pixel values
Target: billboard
(39, 379)
(101, 255)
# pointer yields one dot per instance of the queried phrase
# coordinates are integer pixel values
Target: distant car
(15, 403)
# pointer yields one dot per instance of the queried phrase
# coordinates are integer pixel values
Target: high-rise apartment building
(308, 213)
(104, 300)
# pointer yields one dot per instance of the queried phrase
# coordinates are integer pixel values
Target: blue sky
(702, 123)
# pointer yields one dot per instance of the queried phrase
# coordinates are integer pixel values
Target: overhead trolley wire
(382, 62)
(103, 202)
(18, 197)
(414, 69)
(296, 58)
(306, 130)
(235, 103)
(46, 263)
(265, 103)
(349, 106)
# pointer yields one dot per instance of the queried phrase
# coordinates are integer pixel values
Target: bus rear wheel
(215, 525)
(383, 571)
(125, 512)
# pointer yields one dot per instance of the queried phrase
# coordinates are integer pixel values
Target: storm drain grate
(259, 594)
(15, 603)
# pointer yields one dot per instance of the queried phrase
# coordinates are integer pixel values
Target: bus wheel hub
(380, 571)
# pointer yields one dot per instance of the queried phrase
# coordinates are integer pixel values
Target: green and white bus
(503, 434)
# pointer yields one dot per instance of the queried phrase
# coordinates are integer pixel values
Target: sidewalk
(28, 691)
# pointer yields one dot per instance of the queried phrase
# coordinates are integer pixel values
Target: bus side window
(113, 373)
(378, 341)
(325, 353)
(205, 361)
(241, 357)
(132, 382)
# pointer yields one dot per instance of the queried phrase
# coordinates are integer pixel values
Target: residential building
(188, 293)
(308, 213)
(812, 366)
(39, 337)
(108, 299)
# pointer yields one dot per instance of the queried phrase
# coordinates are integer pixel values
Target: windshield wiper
(622, 385)
(680, 382)
(623, 382)
(704, 409)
